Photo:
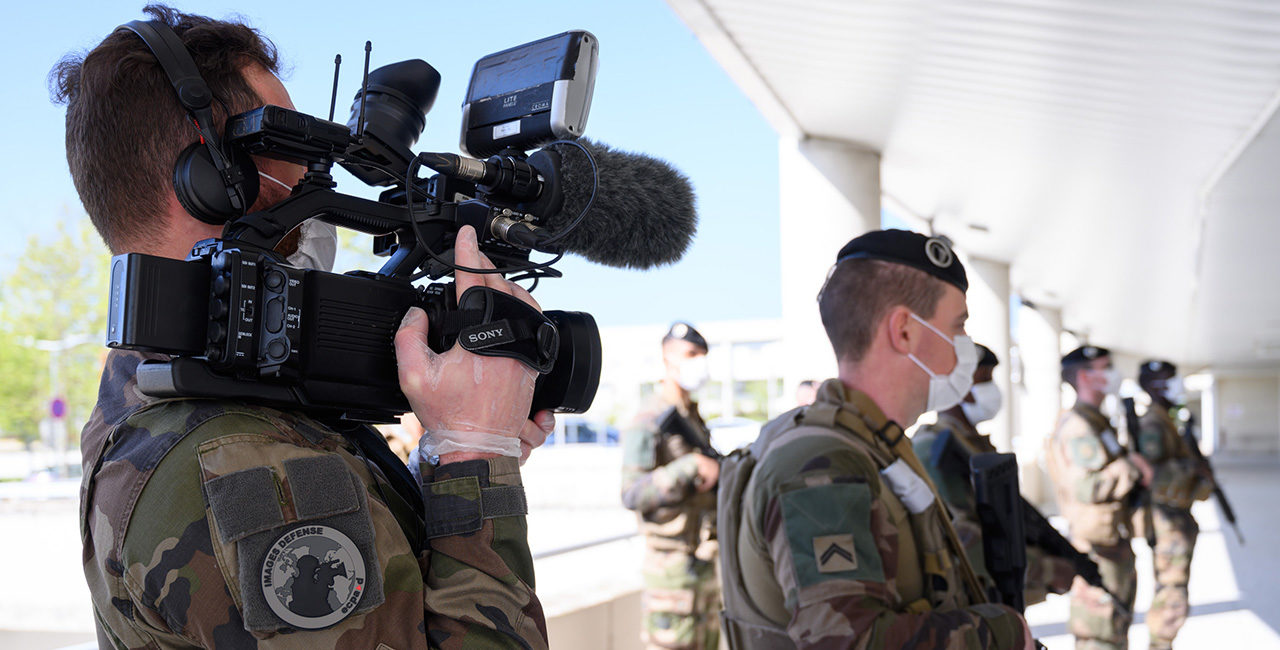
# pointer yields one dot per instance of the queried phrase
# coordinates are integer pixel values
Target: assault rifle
(674, 423)
(1141, 496)
(1188, 433)
(950, 456)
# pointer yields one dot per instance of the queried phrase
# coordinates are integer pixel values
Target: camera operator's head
(126, 127)
(894, 310)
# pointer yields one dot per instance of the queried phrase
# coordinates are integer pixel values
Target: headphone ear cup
(202, 191)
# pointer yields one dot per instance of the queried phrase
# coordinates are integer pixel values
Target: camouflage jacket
(211, 523)
(659, 476)
(1176, 483)
(957, 491)
(827, 550)
(1091, 475)
(1045, 573)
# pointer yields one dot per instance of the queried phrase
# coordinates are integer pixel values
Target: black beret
(1154, 369)
(1084, 354)
(986, 357)
(933, 255)
(685, 332)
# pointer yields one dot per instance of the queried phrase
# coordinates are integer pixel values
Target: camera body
(239, 322)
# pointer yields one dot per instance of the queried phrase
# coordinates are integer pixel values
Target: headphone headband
(213, 195)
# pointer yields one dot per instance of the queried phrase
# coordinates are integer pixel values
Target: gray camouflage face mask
(317, 240)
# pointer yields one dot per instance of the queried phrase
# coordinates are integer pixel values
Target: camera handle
(491, 323)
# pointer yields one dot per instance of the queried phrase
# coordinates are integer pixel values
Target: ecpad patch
(828, 529)
(313, 577)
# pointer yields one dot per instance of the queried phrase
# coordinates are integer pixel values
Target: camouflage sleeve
(480, 584)
(668, 485)
(224, 530)
(1176, 481)
(1092, 477)
(647, 486)
(834, 549)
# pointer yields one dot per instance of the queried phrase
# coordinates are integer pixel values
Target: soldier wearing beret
(669, 472)
(832, 534)
(1045, 573)
(1093, 478)
(1179, 481)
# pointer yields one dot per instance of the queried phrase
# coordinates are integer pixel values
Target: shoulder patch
(828, 531)
(1086, 451)
(304, 555)
(313, 577)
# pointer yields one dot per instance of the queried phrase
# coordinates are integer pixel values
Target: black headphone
(210, 185)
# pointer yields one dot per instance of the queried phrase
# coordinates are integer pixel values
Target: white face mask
(1113, 381)
(692, 373)
(987, 401)
(1173, 390)
(946, 391)
(317, 246)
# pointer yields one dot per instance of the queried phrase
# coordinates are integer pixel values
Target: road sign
(58, 408)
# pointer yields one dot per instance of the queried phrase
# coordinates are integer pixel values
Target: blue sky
(657, 91)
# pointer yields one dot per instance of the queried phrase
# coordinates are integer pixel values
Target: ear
(899, 330)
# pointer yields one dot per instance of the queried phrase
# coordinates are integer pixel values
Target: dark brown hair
(125, 127)
(860, 292)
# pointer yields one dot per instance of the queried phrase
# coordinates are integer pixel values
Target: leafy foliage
(56, 292)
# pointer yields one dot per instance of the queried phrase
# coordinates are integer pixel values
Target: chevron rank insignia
(835, 553)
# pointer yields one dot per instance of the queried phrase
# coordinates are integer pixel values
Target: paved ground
(1235, 597)
(573, 493)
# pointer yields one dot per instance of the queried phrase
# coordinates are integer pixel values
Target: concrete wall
(1248, 412)
(611, 625)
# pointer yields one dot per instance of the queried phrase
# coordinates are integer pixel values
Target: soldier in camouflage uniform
(1093, 478)
(669, 472)
(1179, 481)
(832, 534)
(1045, 573)
(214, 523)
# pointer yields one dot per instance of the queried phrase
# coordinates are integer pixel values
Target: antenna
(364, 86)
(333, 99)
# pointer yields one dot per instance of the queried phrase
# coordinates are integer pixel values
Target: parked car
(575, 429)
(730, 433)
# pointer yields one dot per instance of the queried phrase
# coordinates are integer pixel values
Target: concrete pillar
(1037, 397)
(988, 300)
(830, 193)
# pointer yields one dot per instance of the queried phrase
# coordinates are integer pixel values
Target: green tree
(21, 390)
(56, 292)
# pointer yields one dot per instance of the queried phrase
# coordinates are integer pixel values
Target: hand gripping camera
(239, 322)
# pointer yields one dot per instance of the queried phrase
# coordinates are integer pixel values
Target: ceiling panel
(1082, 136)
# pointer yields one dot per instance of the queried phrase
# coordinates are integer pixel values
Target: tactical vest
(928, 552)
(1107, 523)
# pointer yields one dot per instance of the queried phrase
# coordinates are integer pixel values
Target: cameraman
(212, 523)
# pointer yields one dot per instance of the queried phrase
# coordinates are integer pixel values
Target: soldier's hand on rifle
(708, 472)
(1144, 467)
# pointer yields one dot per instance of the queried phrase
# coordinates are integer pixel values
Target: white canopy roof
(1122, 157)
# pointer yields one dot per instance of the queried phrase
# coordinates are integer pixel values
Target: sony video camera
(239, 322)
